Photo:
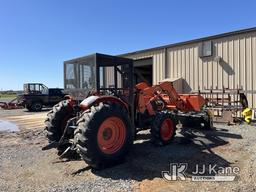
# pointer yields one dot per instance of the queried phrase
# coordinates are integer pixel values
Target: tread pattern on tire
(86, 135)
(155, 128)
(54, 120)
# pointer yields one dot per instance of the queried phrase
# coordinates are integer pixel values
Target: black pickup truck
(36, 96)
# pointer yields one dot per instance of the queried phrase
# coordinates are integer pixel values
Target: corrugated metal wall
(159, 69)
(109, 77)
(237, 67)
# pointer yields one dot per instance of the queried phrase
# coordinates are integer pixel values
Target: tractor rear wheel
(104, 135)
(56, 122)
(163, 128)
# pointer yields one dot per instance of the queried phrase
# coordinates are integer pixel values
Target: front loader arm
(163, 92)
(165, 96)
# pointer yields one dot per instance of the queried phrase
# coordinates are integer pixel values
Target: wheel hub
(111, 135)
(37, 106)
(167, 129)
(107, 134)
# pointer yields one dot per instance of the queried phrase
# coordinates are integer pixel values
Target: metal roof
(107, 58)
(194, 41)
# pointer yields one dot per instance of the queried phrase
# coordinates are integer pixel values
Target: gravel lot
(25, 167)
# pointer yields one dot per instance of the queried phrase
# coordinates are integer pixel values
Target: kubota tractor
(103, 126)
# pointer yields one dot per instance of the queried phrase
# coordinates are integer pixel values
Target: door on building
(143, 71)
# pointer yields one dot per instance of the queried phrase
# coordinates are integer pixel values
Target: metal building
(221, 61)
(227, 60)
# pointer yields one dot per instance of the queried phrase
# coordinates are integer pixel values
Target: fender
(92, 100)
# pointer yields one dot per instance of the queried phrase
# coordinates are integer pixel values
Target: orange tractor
(102, 128)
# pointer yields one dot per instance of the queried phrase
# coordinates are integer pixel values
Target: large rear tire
(163, 128)
(104, 135)
(56, 122)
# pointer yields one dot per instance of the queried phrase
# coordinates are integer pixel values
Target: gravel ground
(25, 167)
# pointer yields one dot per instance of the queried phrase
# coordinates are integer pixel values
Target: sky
(36, 36)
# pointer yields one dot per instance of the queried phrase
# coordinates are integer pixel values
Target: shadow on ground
(189, 146)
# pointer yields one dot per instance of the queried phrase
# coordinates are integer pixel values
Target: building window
(205, 49)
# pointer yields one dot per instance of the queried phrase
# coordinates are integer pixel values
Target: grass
(8, 95)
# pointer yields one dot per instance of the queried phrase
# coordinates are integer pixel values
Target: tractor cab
(87, 75)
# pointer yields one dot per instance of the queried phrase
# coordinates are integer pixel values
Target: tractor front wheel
(163, 128)
(104, 135)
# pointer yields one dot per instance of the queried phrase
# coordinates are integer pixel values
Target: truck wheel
(56, 121)
(104, 135)
(163, 128)
(37, 106)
